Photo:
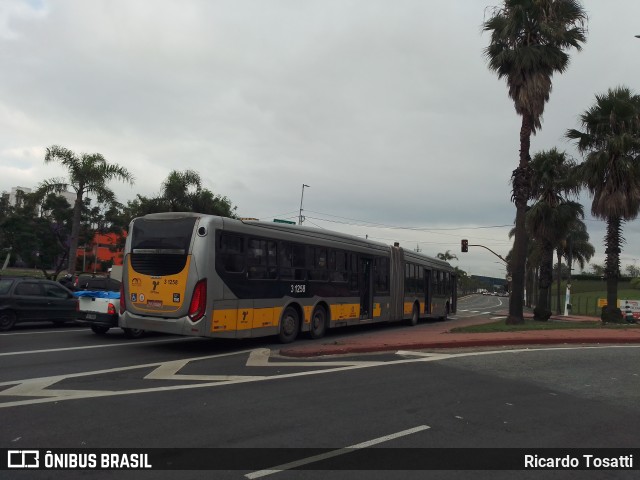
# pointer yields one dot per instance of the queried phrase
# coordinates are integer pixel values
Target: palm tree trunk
(521, 180)
(542, 311)
(611, 312)
(559, 280)
(75, 233)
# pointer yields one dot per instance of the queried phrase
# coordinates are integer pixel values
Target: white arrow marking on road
(260, 358)
(37, 388)
(335, 453)
(169, 371)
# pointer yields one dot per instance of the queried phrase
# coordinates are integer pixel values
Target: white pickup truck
(98, 304)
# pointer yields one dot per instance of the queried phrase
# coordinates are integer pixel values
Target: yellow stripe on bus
(231, 319)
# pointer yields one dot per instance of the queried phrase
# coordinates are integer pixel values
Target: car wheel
(99, 329)
(133, 332)
(289, 326)
(7, 320)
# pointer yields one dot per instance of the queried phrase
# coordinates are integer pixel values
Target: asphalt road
(68, 388)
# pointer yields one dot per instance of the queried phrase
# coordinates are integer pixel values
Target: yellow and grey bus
(204, 275)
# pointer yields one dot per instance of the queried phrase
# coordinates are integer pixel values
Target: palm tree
(175, 189)
(182, 191)
(574, 246)
(611, 172)
(88, 173)
(446, 256)
(549, 218)
(529, 40)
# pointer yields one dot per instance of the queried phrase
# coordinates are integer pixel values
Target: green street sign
(277, 220)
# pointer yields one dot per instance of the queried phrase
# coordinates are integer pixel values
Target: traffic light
(465, 245)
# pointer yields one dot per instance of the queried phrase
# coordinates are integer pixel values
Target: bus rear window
(163, 236)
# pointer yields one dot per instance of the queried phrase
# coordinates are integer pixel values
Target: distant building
(16, 193)
(104, 250)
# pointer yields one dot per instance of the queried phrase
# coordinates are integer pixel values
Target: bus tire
(133, 332)
(415, 316)
(289, 325)
(318, 323)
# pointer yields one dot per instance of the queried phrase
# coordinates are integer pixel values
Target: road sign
(277, 220)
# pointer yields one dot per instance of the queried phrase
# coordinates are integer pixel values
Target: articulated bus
(209, 276)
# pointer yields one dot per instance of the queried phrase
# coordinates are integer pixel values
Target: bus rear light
(111, 309)
(123, 305)
(198, 301)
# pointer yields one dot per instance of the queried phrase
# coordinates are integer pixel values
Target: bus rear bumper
(175, 326)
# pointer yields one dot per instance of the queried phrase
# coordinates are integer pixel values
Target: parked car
(98, 305)
(25, 299)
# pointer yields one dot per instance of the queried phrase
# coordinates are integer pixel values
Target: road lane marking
(260, 358)
(38, 387)
(36, 333)
(169, 371)
(86, 347)
(334, 453)
(79, 394)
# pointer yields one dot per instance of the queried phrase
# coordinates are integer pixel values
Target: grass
(22, 272)
(501, 326)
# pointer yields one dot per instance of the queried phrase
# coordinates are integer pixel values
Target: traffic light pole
(464, 244)
(487, 248)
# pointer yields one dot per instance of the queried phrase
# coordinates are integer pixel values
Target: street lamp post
(301, 197)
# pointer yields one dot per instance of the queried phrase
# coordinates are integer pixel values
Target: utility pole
(300, 217)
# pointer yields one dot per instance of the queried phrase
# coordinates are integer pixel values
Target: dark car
(96, 283)
(24, 299)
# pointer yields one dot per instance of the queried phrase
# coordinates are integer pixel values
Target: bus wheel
(318, 323)
(133, 332)
(415, 315)
(289, 326)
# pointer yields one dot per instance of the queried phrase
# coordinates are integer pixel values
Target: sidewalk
(438, 335)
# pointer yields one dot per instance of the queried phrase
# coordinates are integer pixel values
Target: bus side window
(353, 271)
(338, 266)
(231, 251)
(256, 259)
(318, 260)
(292, 262)
(381, 266)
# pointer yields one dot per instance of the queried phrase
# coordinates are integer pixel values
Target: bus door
(365, 282)
(427, 291)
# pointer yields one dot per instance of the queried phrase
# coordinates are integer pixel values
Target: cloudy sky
(386, 109)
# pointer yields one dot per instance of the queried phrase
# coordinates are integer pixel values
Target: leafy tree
(87, 173)
(39, 240)
(597, 270)
(529, 43)
(632, 271)
(610, 141)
